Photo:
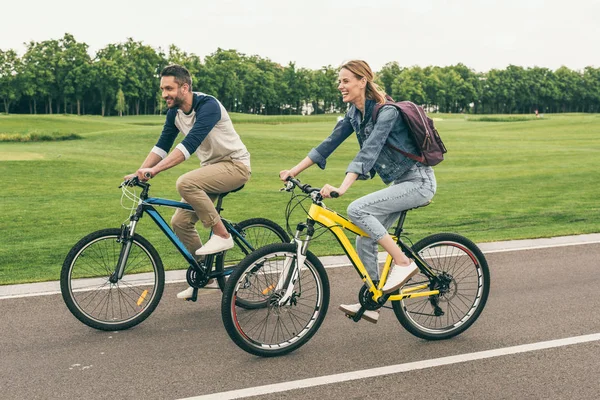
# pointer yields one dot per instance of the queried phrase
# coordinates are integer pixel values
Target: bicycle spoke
(281, 319)
(461, 297)
(102, 304)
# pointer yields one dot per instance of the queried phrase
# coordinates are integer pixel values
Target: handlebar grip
(147, 175)
(335, 195)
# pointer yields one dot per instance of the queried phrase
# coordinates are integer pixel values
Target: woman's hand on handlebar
(285, 174)
(328, 191)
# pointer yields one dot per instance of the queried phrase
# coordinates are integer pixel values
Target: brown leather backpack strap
(406, 154)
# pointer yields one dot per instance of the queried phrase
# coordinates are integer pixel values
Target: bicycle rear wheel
(279, 326)
(258, 232)
(91, 297)
(463, 268)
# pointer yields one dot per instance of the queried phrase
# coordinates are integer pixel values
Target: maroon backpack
(423, 132)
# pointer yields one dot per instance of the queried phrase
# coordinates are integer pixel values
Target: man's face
(172, 92)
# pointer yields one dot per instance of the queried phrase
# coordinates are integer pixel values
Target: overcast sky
(312, 33)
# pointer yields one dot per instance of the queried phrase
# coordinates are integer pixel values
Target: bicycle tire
(462, 304)
(88, 293)
(275, 330)
(259, 232)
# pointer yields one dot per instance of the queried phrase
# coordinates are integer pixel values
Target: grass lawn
(503, 178)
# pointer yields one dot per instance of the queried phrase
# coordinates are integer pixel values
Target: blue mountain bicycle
(113, 279)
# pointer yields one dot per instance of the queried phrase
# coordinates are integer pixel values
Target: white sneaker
(352, 309)
(215, 244)
(398, 276)
(187, 293)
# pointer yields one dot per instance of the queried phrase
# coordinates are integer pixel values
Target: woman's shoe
(352, 309)
(398, 276)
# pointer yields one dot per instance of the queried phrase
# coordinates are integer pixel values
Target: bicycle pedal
(353, 317)
(350, 317)
(194, 296)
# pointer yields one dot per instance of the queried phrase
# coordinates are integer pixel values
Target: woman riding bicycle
(411, 184)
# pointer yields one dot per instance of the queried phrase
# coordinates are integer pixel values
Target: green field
(503, 178)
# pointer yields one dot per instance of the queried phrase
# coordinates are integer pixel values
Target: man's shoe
(398, 276)
(215, 244)
(187, 293)
(352, 309)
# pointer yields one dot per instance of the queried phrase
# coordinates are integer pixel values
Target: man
(224, 160)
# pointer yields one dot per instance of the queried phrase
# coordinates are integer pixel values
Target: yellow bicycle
(285, 290)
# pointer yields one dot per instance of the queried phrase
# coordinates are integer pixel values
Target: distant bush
(502, 119)
(238, 118)
(38, 137)
(147, 123)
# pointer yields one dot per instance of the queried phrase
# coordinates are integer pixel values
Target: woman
(411, 183)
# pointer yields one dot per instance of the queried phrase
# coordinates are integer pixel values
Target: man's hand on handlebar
(144, 174)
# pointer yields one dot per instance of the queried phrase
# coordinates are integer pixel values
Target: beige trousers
(200, 188)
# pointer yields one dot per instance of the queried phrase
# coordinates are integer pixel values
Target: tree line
(59, 76)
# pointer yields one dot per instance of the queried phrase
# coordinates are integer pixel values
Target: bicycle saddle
(231, 191)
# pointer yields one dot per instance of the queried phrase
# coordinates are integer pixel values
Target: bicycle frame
(337, 223)
(147, 206)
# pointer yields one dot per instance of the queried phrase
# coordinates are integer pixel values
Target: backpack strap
(406, 154)
(391, 102)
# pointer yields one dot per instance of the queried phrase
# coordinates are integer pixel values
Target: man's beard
(177, 102)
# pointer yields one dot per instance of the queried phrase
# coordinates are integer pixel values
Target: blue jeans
(376, 212)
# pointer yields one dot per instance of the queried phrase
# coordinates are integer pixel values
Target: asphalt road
(182, 350)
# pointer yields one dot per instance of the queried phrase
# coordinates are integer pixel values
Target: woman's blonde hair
(361, 69)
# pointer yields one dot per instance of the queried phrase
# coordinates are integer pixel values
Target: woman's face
(352, 88)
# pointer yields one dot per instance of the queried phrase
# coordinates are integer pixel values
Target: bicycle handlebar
(306, 188)
(134, 182)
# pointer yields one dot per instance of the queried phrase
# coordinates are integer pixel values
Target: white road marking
(394, 369)
(535, 247)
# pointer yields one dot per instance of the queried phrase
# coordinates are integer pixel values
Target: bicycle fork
(291, 272)
(126, 238)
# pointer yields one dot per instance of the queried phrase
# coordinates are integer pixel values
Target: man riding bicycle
(224, 160)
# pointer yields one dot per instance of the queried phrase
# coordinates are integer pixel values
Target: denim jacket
(374, 156)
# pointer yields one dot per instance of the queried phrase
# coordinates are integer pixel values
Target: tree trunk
(30, 107)
(34, 106)
(65, 103)
(49, 105)
(103, 106)
(6, 105)
(78, 107)
(137, 107)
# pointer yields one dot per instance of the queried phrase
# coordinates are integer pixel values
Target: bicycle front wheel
(257, 233)
(86, 287)
(294, 300)
(465, 283)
